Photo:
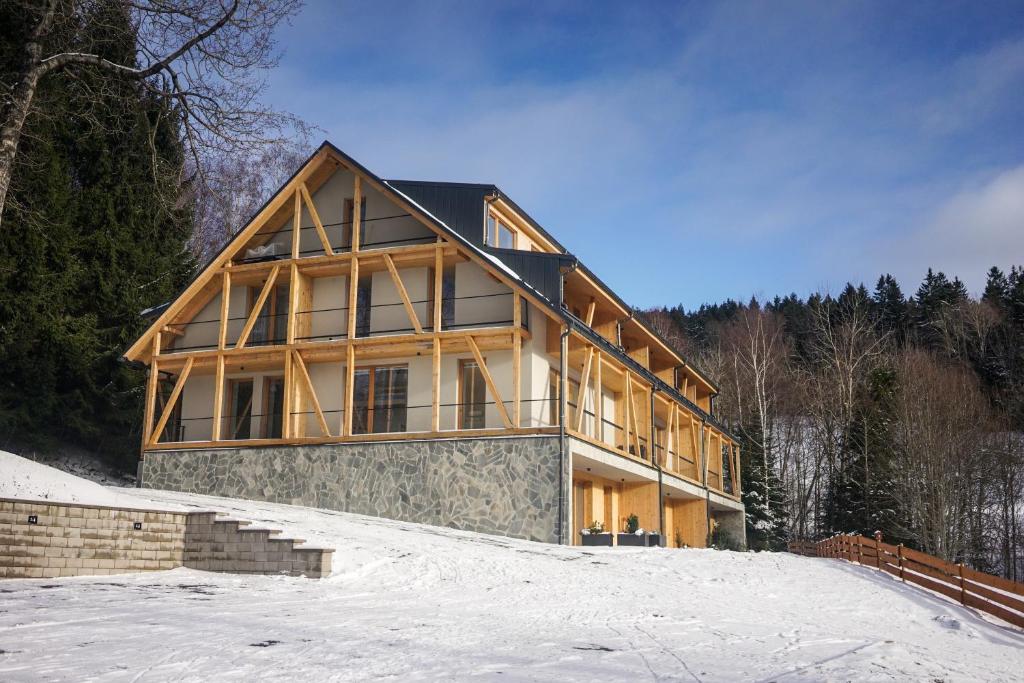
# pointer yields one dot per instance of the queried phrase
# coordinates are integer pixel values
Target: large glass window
(380, 399)
(390, 399)
(272, 322)
(447, 297)
(346, 226)
(273, 407)
(472, 396)
(364, 305)
(239, 408)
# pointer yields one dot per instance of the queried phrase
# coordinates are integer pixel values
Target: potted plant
(633, 535)
(595, 534)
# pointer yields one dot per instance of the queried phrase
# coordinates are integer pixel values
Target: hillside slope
(411, 601)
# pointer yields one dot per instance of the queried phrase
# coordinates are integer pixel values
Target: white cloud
(980, 226)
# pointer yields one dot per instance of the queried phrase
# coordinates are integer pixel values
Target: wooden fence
(991, 594)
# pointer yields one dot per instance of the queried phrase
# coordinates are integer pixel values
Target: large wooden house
(427, 352)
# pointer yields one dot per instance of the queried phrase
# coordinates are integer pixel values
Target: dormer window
(499, 234)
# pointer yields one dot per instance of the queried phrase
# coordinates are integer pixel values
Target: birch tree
(207, 58)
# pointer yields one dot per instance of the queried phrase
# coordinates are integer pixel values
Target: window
(272, 322)
(499, 234)
(472, 396)
(553, 397)
(506, 238)
(239, 408)
(173, 430)
(726, 468)
(364, 291)
(273, 407)
(346, 226)
(447, 297)
(380, 399)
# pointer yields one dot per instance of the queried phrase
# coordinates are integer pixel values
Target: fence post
(963, 593)
(860, 550)
(878, 554)
(899, 554)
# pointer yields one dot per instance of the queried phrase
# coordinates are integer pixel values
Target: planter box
(631, 539)
(643, 541)
(597, 539)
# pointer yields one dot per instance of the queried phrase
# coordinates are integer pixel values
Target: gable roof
(454, 209)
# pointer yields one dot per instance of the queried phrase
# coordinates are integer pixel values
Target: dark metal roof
(541, 270)
(460, 206)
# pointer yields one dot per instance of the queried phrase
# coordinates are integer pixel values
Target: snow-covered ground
(407, 601)
(32, 480)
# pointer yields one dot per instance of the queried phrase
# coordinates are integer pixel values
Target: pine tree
(891, 313)
(90, 238)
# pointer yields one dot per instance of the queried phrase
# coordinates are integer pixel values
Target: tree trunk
(15, 110)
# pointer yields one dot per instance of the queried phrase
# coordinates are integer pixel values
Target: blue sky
(691, 152)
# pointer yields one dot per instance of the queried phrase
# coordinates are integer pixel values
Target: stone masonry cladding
(507, 485)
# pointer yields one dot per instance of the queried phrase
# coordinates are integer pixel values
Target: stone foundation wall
(46, 540)
(507, 486)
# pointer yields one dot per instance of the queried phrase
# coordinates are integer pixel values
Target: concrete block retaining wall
(42, 540)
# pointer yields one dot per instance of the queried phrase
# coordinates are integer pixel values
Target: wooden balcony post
(218, 399)
(350, 378)
(225, 310)
(152, 382)
(598, 398)
(438, 284)
(353, 298)
(357, 214)
(517, 346)
(435, 386)
(296, 225)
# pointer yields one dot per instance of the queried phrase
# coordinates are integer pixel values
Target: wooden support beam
(634, 413)
(218, 399)
(625, 413)
(489, 380)
(357, 213)
(225, 311)
(438, 284)
(591, 307)
(151, 386)
(268, 286)
(289, 403)
(581, 400)
(316, 219)
(296, 225)
(303, 373)
(353, 291)
(403, 294)
(292, 322)
(598, 397)
(698, 465)
(350, 380)
(169, 408)
(435, 387)
(517, 359)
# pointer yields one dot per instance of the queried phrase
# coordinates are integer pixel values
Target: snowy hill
(28, 479)
(412, 601)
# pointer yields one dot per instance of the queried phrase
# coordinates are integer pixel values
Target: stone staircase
(231, 545)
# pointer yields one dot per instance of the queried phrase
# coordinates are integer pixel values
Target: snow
(30, 480)
(409, 601)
